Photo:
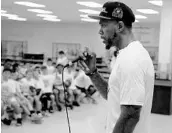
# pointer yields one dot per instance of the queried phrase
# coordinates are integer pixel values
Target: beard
(113, 41)
(109, 44)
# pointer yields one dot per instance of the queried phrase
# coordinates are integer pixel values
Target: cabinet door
(161, 100)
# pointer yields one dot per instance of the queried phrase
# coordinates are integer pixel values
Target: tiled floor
(86, 119)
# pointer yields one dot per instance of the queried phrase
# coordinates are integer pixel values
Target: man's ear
(121, 26)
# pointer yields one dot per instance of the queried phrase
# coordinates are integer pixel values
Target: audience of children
(36, 91)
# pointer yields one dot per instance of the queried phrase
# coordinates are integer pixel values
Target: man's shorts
(90, 91)
(35, 91)
(47, 95)
(60, 89)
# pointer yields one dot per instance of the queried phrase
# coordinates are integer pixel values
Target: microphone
(72, 62)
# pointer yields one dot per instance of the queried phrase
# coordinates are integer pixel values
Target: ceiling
(67, 10)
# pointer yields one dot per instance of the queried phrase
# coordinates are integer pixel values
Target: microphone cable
(65, 98)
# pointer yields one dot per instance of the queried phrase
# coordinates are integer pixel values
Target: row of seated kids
(37, 91)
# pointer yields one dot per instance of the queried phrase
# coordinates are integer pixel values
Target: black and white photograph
(86, 66)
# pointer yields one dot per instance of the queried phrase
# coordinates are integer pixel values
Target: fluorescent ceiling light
(9, 15)
(3, 11)
(18, 19)
(156, 2)
(30, 4)
(89, 4)
(40, 11)
(89, 20)
(140, 17)
(46, 16)
(52, 19)
(147, 11)
(89, 11)
(84, 15)
(13, 17)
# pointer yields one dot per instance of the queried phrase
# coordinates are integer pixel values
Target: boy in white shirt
(39, 85)
(48, 89)
(24, 102)
(22, 68)
(62, 59)
(50, 67)
(74, 92)
(29, 91)
(8, 97)
(59, 89)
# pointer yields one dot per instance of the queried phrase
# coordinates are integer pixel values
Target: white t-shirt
(62, 61)
(9, 89)
(23, 70)
(48, 82)
(26, 84)
(67, 76)
(82, 80)
(11, 85)
(70, 76)
(112, 63)
(39, 84)
(50, 69)
(131, 83)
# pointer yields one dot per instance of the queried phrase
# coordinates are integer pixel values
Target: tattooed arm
(128, 119)
(100, 84)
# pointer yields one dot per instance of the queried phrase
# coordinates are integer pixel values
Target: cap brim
(97, 17)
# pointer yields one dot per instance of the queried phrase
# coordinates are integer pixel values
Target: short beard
(113, 42)
(110, 44)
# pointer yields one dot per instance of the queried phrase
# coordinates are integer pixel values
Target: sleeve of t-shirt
(132, 86)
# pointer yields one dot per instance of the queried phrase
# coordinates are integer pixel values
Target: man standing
(129, 90)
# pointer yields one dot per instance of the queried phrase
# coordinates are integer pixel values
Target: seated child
(84, 84)
(48, 90)
(8, 95)
(28, 90)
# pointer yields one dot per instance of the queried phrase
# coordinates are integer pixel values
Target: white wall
(41, 36)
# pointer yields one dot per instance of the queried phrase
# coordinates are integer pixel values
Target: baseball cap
(116, 11)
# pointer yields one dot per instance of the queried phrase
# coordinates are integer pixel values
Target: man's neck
(126, 40)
